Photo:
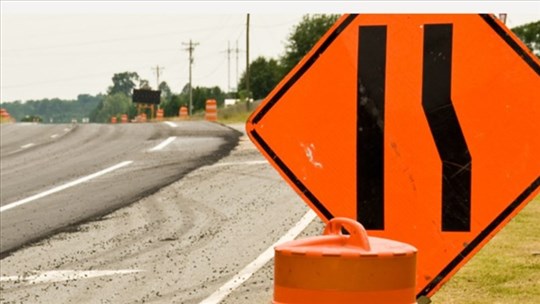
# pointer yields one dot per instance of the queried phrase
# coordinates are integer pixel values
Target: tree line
(118, 99)
(265, 74)
(53, 110)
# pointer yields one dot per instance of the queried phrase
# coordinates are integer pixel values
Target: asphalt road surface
(206, 238)
(55, 176)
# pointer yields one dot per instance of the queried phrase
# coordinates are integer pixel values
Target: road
(182, 244)
(56, 176)
(205, 238)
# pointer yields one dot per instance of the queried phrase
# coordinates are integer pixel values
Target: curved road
(206, 238)
(201, 239)
(54, 176)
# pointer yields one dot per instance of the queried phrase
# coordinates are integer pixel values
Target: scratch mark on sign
(309, 154)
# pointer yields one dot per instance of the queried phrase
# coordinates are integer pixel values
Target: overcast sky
(62, 49)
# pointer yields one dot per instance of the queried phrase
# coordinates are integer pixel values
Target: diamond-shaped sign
(424, 128)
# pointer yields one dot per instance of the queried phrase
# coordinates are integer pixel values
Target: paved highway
(206, 238)
(55, 176)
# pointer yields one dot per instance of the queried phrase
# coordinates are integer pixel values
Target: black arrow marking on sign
(370, 126)
(445, 128)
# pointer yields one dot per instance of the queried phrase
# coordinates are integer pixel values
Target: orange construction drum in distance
(114, 119)
(337, 268)
(159, 114)
(211, 110)
(183, 112)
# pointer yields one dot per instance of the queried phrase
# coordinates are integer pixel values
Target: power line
(228, 50)
(211, 73)
(212, 31)
(191, 46)
(237, 51)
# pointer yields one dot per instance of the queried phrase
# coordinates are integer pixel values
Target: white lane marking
(64, 186)
(250, 162)
(27, 146)
(65, 275)
(171, 124)
(259, 262)
(54, 136)
(163, 144)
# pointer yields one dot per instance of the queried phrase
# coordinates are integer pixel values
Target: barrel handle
(358, 235)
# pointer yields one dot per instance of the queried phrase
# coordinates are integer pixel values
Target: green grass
(234, 118)
(506, 270)
(234, 114)
(6, 120)
(228, 115)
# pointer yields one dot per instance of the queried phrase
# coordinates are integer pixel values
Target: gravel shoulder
(184, 241)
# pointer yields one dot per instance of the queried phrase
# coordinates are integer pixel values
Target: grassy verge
(506, 270)
(231, 114)
(234, 114)
(6, 120)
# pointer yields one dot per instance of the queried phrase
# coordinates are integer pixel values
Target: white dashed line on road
(64, 186)
(27, 146)
(65, 275)
(163, 144)
(171, 124)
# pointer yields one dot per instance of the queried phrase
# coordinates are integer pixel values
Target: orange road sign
(424, 128)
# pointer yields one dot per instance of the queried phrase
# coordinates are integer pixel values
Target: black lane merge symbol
(442, 120)
(370, 126)
(445, 128)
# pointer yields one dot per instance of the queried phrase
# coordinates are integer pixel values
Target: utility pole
(191, 46)
(158, 71)
(247, 62)
(237, 78)
(229, 66)
(502, 17)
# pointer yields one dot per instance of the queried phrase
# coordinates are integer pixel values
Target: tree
(201, 94)
(172, 105)
(264, 76)
(144, 84)
(55, 110)
(165, 90)
(113, 105)
(303, 38)
(123, 83)
(530, 35)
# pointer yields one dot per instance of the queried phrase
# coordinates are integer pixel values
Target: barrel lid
(355, 245)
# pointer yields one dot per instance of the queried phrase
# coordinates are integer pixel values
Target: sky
(63, 49)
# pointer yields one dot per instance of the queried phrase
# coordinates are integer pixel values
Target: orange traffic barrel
(183, 112)
(159, 114)
(143, 117)
(113, 119)
(4, 113)
(211, 110)
(4, 116)
(337, 268)
(124, 118)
